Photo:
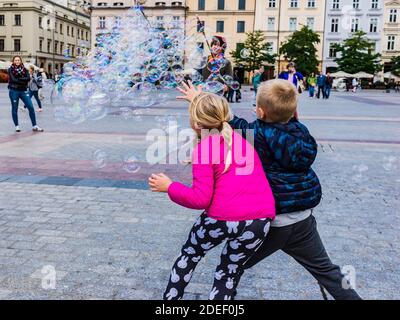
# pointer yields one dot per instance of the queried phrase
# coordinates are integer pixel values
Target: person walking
(328, 85)
(34, 85)
(312, 83)
(18, 79)
(321, 82)
(292, 75)
(256, 80)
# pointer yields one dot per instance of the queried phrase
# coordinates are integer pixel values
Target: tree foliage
(357, 54)
(301, 49)
(255, 52)
(396, 65)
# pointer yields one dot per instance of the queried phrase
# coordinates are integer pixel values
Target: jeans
(302, 242)
(327, 92)
(36, 95)
(15, 95)
(311, 91)
(321, 89)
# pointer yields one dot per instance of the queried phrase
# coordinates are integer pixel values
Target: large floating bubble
(136, 63)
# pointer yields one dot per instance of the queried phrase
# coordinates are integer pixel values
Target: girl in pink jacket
(229, 184)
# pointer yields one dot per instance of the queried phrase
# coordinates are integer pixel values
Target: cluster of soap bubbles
(136, 64)
(129, 162)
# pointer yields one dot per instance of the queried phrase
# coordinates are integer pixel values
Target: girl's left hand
(159, 182)
(189, 91)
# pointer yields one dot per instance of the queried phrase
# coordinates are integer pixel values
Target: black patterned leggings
(243, 239)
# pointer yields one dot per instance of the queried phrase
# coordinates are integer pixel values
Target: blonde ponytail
(209, 111)
(227, 134)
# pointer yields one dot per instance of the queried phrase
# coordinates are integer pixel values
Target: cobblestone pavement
(107, 237)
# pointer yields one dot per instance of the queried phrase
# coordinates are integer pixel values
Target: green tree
(254, 53)
(301, 49)
(356, 54)
(396, 65)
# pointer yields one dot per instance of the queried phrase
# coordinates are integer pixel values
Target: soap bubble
(131, 164)
(99, 159)
(245, 53)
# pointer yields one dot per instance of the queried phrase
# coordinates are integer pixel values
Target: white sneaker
(37, 129)
(22, 108)
(17, 129)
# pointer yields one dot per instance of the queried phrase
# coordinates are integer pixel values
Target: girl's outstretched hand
(189, 91)
(159, 182)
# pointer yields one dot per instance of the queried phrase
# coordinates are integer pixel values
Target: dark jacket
(329, 82)
(18, 83)
(321, 80)
(287, 152)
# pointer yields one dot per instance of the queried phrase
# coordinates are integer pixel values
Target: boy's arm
(240, 123)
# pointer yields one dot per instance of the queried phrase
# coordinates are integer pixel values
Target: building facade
(227, 18)
(45, 33)
(391, 32)
(344, 17)
(278, 19)
(106, 13)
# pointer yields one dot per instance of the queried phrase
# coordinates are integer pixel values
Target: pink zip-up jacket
(241, 193)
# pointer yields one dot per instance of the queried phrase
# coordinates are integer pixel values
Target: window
(17, 20)
(41, 45)
(335, 25)
(2, 20)
(102, 22)
(374, 4)
(61, 28)
(336, 4)
(221, 4)
(391, 42)
(202, 5)
(292, 24)
(241, 27)
(294, 3)
(61, 47)
(373, 25)
(67, 30)
(356, 4)
(332, 50)
(49, 46)
(87, 36)
(220, 26)
(393, 16)
(272, 4)
(40, 22)
(242, 4)
(1, 45)
(311, 4)
(17, 44)
(55, 46)
(271, 24)
(311, 23)
(72, 31)
(355, 24)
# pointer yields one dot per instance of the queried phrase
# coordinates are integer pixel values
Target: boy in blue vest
(287, 151)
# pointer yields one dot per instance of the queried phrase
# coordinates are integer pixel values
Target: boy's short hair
(278, 98)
